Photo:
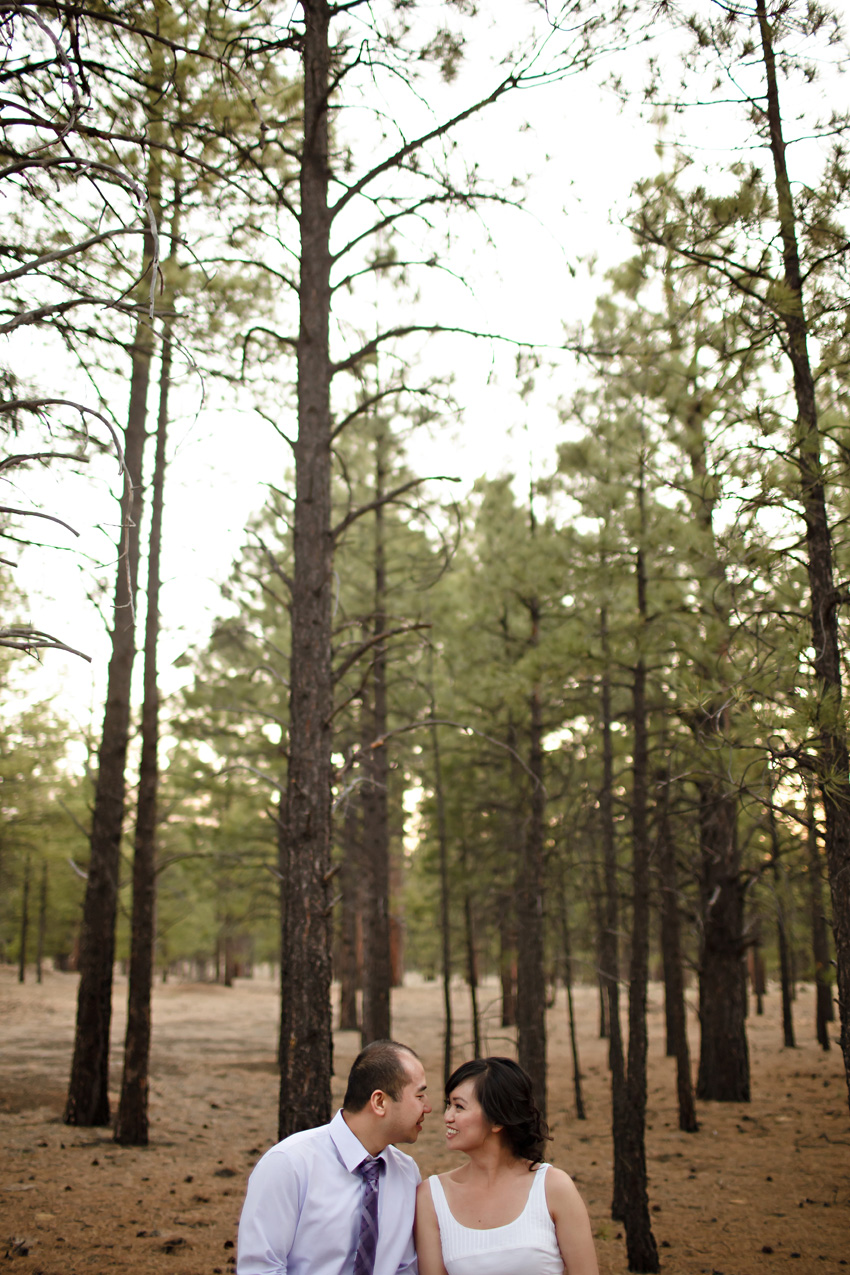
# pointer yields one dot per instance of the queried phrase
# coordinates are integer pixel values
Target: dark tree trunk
(229, 963)
(833, 756)
(25, 921)
(348, 972)
(566, 943)
(88, 1099)
(669, 977)
(724, 1068)
(445, 914)
(377, 963)
(820, 936)
(782, 936)
(785, 977)
(131, 1127)
(641, 1248)
(471, 956)
(507, 960)
(610, 946)
(759, 977)
(599, 908)
(306, 1044)
(792, 961)
(604, 1028)
(42, 922)
(677, 1023)
(531, 984)
(283, 860)
(723, 1071)
(397, 926)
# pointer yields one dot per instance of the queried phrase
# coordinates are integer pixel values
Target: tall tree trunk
(566, 944)
(604, 1025)
(677, 1024)
(599, 912)
(377, 963)
(445, 897)
(820, 936)
(531, 981)
(348, 972)
(25, 921)
(724, 1067)
(507, 959)
(398, 929)
(471, 955)
(759, 977)
(229, 963)
(610, 947)
(88, 1098)
(669, 976)
(781, 933)
(723, 1072)
(42, 922)
(784, 967)
(131, 1127)
(833, 755)
(641, 1248)
(306, 1044)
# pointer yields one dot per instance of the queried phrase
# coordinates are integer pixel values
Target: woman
(503, 1212)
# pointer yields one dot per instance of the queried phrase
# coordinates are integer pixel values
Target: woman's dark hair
(506, 1095)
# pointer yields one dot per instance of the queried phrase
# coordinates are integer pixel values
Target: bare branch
(35, 513)
(432, 329)
(62, 254)
(33, 640)
(386, 499)
(35, 405)
(377, 638)
(417, 143)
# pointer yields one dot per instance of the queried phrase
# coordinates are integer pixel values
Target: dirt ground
(761, 1189)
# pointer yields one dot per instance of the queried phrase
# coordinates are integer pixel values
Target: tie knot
(370, 1169)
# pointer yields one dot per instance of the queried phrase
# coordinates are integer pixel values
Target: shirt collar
(351, 1150)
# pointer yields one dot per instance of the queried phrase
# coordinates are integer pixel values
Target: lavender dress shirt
(302, 1209)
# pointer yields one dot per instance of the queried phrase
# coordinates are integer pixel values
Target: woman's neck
(493, 1159)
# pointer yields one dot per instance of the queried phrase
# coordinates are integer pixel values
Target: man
(339, 1200)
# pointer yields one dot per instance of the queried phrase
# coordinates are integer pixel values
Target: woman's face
(466, 1125)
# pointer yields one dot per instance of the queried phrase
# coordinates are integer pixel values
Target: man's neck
(367, 1130)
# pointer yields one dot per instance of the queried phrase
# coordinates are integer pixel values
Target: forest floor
(761, 1189)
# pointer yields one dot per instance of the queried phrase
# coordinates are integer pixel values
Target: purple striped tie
(367, 1242)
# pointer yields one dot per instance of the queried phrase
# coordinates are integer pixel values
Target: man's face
(406, 1114)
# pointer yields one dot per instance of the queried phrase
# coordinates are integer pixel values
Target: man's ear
(379, 1103)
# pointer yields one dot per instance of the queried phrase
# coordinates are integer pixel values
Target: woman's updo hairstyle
(505, 1093)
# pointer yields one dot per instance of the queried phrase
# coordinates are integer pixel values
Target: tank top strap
(441, 1206)
(537, 1206)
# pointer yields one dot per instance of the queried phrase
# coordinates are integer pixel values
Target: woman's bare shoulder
(561, 1191)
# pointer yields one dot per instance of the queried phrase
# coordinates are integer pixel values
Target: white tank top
(526, 1246)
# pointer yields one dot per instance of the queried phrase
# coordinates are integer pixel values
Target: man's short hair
(379, 1066)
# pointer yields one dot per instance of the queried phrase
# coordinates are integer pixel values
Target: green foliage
(42, 814)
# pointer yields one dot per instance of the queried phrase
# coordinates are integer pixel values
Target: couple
(339, 1200)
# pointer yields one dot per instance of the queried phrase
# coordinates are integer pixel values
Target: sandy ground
(761, 1189)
